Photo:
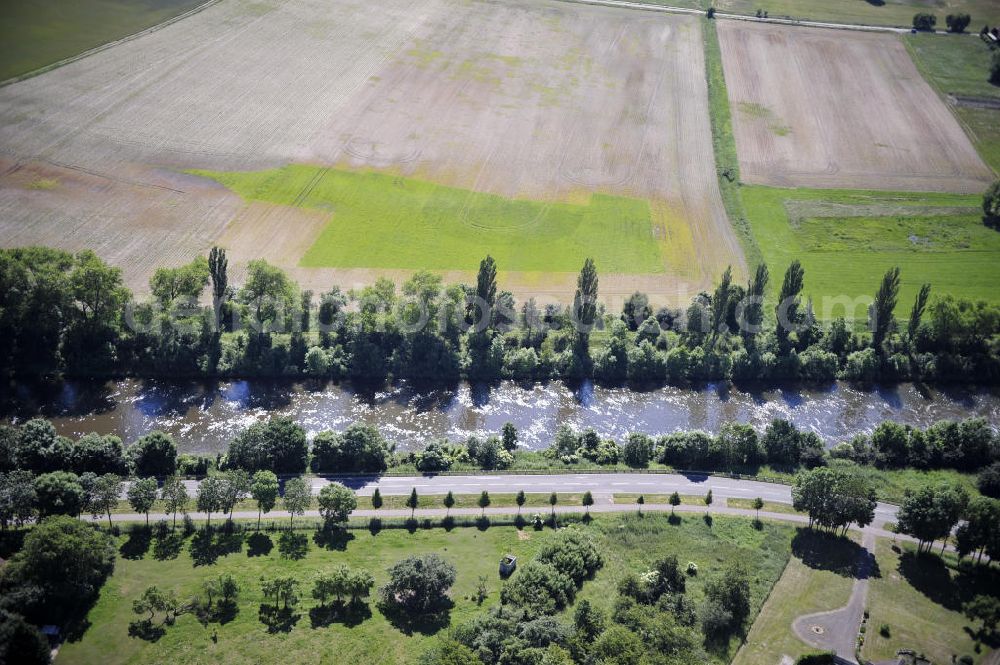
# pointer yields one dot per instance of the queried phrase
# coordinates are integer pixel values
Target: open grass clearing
(769, 506)
(38, 33)
(810, 109)
(627, 542)
(816, 579)
(920, 598)
(959, 66)
(846, 240)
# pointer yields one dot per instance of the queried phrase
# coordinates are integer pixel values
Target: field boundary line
(97, 49)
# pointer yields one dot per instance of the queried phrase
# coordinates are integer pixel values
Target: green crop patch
(384, 221)
(846, 240)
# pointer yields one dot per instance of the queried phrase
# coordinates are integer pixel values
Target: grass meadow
(846, 240)
(959, 65)
(628, 543)
(920, 598)
(37, 33)
(383, 221)
(868, 12)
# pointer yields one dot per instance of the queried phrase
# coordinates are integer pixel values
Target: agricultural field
(868, 12)
(836, 109)
(540, 131)
(958, 68)
(628, 544)
(38, 33)
(846, 240)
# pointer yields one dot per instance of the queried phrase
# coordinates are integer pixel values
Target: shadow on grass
(144, 629)
(348, 614)
(208, 545)
(278, 620)
(426, 623)
(827, 551)
(137, 544)
(221, 612)
(332, 538)
(292, 545)
(259, 544)
(168, 547)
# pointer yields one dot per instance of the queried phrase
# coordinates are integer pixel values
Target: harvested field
(542, 103)
(835, 109)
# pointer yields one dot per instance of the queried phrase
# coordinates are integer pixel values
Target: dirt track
(826, 108)
(542, 100)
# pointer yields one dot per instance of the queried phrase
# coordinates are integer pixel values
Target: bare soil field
(542, 100)
(836, 109)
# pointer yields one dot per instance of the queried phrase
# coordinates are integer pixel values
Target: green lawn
(868, 12)
(383, 221)
(920, 599)
(957, 65)
(628, 543)
(36, 33)
(824, 584)
(846, 240)
(769, 506)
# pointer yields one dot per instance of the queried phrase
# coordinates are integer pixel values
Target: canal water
(204, 417)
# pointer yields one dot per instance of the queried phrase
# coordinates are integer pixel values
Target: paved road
(602, 485)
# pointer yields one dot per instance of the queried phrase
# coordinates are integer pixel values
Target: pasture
(38, 33)
(846, 240)
(835, 109)
(577, 110)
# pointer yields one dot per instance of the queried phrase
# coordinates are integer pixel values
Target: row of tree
(72, 313)
(279, 445)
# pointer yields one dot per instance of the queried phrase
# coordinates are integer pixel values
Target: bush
(20, 642)
(989, 481)
(419, 584)
(884, 630)
(278, 445)
(924, 21)
(360, 448)
(957, 22)
(59, 493)
(637, 451)
(154, 455)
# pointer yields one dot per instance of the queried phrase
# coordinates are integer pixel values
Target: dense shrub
(359, 448)
(277, 445)
(154, 454)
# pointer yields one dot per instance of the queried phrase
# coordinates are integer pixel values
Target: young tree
(675, 500)
(553, 500)
(336, 503)
(708, 498)
(880, 317)
(297, 498)
(720, 302)
(234, 488)
(359, 585)
(154, 600)
(640, 502)
(283, 589)
(209, 496)
(142, 495)
(449, 501)
(412, 502)
(264, 489)
(588, 500)
(520, 500)
(758, 503)
(957, 22)
(376, 499)
(174, 496)
(105, 493)
(484, 501)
